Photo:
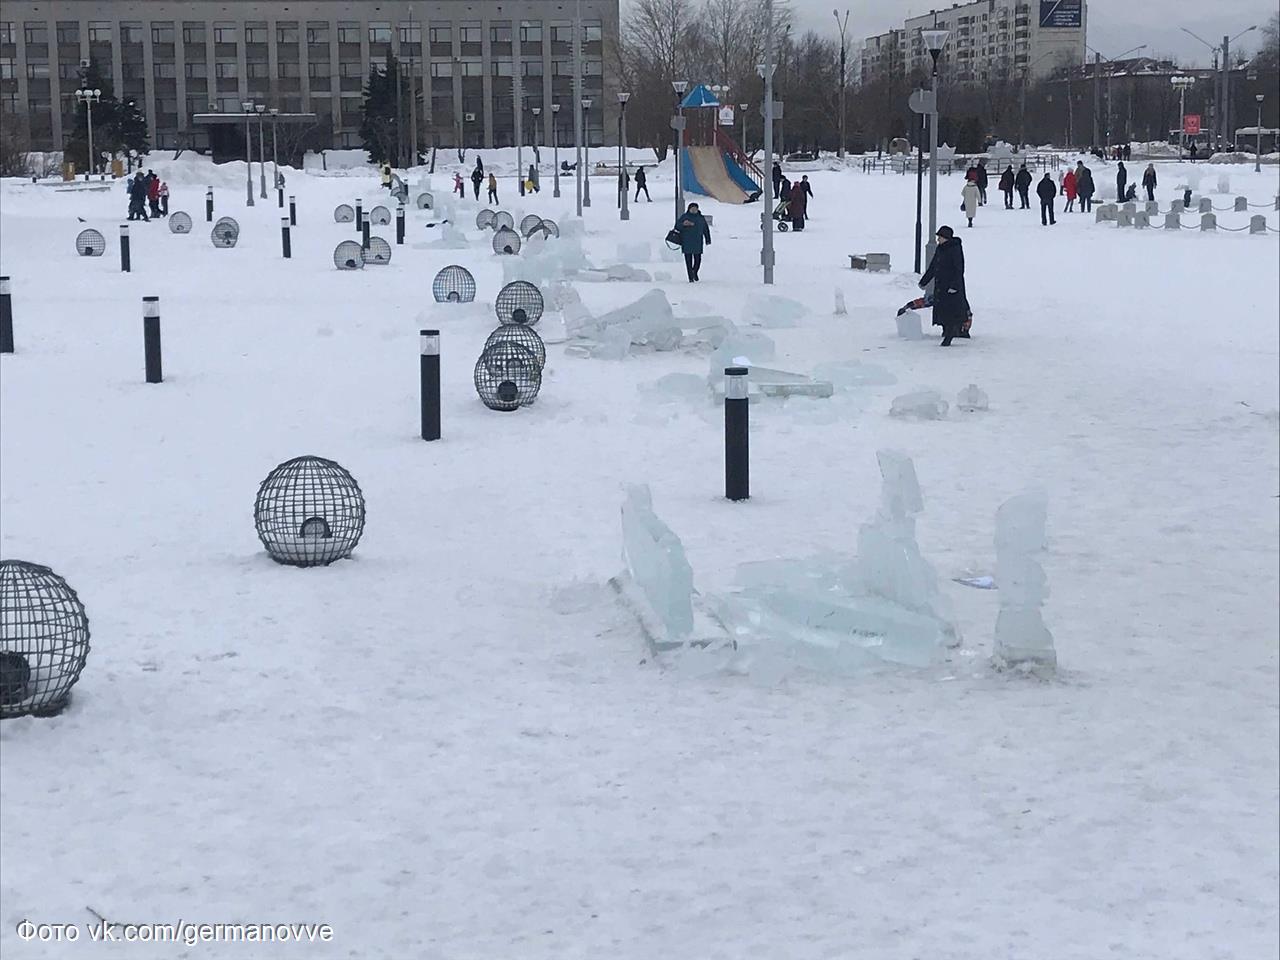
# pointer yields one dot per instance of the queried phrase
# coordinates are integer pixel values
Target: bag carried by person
(674, 240)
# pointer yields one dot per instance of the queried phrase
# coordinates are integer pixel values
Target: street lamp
(555, 145)
(89, 98)
(275, 159)
(586, 153)
(262, 149)
(935, 40)
(1223, 93)
(625, 213)
(1181, 83)
(537, 114)
(844, 49)
(742, 108)
(577, 113)
(517, 108)
(1257, 159)
(247, 105)
(1110, 76)
(679, 86)
(765, 70)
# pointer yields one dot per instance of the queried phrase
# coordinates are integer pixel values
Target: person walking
(798, 204)
(971, 195)
(981, 181)
(1006, 186)
(642, 183)
(459, 185)
(694, 233)
(777, 180)
(1023, 182)
(164, 199)
(1193, 151)
(493, 189)
(138, 197)
(1149, 181)
(946, 272)
(1122, 177)
(1069, 190)
(1046, 191)
(477, 178)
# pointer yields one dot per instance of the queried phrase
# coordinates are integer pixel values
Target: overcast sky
(1114, 25)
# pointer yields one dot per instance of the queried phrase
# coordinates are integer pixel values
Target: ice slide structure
(712, 172)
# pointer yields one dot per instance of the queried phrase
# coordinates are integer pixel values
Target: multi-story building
(1022, 39)
(177, 59)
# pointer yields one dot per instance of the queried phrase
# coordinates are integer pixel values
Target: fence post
(124, 248)
(429, 375)
(400, 223)
(293, 211)
(151, 338)
(6, 317)
(359, 213)
(737, 463)
(285, 247)
(364, 234)
(208, 205)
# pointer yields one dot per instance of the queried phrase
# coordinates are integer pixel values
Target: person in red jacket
(153, 192)
(1069, 190)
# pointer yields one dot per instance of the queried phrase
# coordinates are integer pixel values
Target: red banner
(1191, 123)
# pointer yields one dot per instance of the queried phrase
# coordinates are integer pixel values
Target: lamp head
(536, 110)
(586, 103)
(935, 40)
(679, 86)
(555, 108)
(247, 106)
(261, 108)
(274, 111)
(623, 97)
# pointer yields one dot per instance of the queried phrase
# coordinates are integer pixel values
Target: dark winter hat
(946, 232)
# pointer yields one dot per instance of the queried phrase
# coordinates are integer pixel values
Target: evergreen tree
(117, 127)
(380, 127)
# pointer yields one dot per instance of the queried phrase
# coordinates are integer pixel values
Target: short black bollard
(400, 224)
(151, 338)
(737, 462)
(124, 248)
(208, 205)
(359, 214)
(364, 235)
(285, 246)
(280, 197)
(6, 317)
(429, 367)
(293, 211)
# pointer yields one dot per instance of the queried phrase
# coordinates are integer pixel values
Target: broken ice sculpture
(909, 326)
(773, 311)
(656, 560)
(1021, 638)
(842, 310)
(972, 399)
(919, 405)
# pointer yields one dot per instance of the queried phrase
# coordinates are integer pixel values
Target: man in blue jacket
(694, 232)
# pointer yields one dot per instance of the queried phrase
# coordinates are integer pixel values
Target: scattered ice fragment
(676, 386)
(1022, 640)
(773, 312)
(656, 561)
(847, 374)
(909, 326)
(768, 382)
(842, 310)
(971, 399)
(920, 405)
(980, 583)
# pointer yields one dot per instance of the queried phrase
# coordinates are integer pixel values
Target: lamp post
(1181, 83)
(275, 158)
(625, 213)
(577, 102)
(247, 105)
(1110, 75)
(555, 145)
(586, 153)
(742, 108)
(89, 98)
(262, 149)
(1223, 89)
(537, 158)
(765, 70)
(1257, 159)
(517, 107)
(844, 50)
(935, 40)
(679, 86)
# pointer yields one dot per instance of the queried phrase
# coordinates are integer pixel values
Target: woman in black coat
(946, 270)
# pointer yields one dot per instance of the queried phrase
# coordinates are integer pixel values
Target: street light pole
(275, 158)
(537, 159)
(625, 213)
(262, 149)
(518, 108)
(1222, 92)
(1182, 83)
(935, 40)
(89, 98)
(577, 104)
(765, 70)
(742, 108)
(1257, 157)
(586, 153)
(248, 150)
(844, 49)
(679, 86)
(555, 145)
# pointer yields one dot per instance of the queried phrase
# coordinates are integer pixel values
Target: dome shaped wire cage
(223, 236)
(453, 284)
(179, 222)
(348, 255)
(380, 216)
(229, 223)
(529, 224)
(503, 221)
(507, 376)
(344, 213)
(44, 640)
(90, 243)
(309, 512)
(425, 201)
(550, 228)
(379, 252)
(506, 242)
(484, 219)
(526, 337)
(519, 302)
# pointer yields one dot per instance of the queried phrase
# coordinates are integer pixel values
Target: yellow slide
(709, 173)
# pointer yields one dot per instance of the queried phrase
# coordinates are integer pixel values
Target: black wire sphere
(484, 219)
(526, 337)
(550, 228)
(44, 640)
(506, 242)
(380, 216)
(228, 223)
(378, 253)
(503, 221)
(309, 512)
(90, 243)
(223, 236)
(426, 201)
(453, 284)
(507, 376)
(519, 302)
(179, 222)
(344, 213)
(348, 255)
(529, 224)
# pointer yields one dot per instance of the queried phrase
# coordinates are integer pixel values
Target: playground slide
(705, 173)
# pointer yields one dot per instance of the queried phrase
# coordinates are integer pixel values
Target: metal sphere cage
(380, 216)
(526, 337)
(348, 255)
(44, 640)
(229, 223)
(503, 221)
(453, 284)
(309, 512)
(506, 242)
(529, 223)
(379, 252)
(425, 201)
(179, 222)
(223, 236)
(484, 219)
(507, 376)
(519, 302)
(90, 243)
(344, 213)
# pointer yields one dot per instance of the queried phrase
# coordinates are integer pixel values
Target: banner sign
(1191, 124)
(1061, 14)
(726, 116)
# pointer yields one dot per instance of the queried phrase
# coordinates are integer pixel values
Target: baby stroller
(782, 216)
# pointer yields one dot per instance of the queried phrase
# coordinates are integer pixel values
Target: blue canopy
(700, 96)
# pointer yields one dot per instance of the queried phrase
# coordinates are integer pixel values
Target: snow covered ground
(452, 747)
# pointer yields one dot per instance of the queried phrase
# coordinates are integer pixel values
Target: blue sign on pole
(1063, 14)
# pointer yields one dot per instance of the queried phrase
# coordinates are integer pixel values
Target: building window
(7, 69)
(531, 68)
(225, 70)
(287, 32)
(38, 70)
(195, 71)
(317, 31)
(131, 33)
(162, 32)
(256, 69)
(501, 68)
(467, 32)
(562, 68)
(348, 31)
(6, 32)
(592, 68)
(255, 31)
(379, 32)
(500, 32)
(224, 33)
(319, 68)
(67, 70)
(410, 32)
(471, 68)
(287, 69)
(164, 71)
(193, 32)
(35, 32)
(68, 31)
(530, 31)
(350, 68)
(441, 68)
(440, 34)
(591, 31)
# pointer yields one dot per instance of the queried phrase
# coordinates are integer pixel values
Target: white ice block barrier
(657, 565)
(909, 327)
(919, 405)
(972, 399)
(1224, 184)
(1022, 641)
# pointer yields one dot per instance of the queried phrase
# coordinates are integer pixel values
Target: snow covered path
(450, 747)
